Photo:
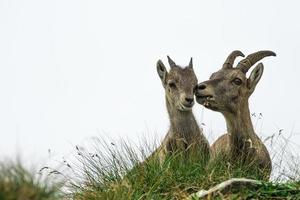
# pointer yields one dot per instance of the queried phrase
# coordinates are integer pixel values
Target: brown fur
(227, 91)
(184, 134)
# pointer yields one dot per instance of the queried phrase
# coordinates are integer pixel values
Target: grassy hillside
(110, 170)
(113, 171)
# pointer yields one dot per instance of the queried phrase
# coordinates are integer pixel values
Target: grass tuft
(16, 182)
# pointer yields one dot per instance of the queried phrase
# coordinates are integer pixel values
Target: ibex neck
(183, 123)
(239, 127)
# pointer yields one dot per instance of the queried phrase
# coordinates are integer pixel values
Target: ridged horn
(230, 59)
(245, 64)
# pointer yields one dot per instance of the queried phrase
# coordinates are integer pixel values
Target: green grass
(18, 183)
(110, 170)
(266, 190)
(114, 171)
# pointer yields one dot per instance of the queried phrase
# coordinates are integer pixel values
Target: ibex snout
(204, 94)
(203, 90)
(201, 86)
(187, 101)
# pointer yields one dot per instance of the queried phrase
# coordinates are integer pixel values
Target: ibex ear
(162, 71)
(255, 77)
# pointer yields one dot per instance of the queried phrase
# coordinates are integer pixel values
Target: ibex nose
(201, 86)
(190, 100)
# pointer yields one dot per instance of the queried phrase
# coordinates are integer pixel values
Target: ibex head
(229, 87)
(179, 84)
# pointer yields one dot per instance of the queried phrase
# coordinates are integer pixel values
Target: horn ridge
(245, 64)
(230, 59)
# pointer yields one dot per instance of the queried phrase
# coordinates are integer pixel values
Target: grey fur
(184, 134)
(227, 91)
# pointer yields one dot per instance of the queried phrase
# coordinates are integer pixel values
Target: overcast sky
(70, 69)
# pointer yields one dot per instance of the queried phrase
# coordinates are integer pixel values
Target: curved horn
(171, 62)
(230, 59)
(191, 63)
(245, 64)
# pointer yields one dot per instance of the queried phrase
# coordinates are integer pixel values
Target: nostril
(189, 100)
(201, 86)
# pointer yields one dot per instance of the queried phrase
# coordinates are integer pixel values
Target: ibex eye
(172, 85)
(237, 81)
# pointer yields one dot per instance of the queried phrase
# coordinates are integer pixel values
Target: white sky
(70, 69)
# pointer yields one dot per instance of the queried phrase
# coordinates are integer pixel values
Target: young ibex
(184, 134)
(227, 91)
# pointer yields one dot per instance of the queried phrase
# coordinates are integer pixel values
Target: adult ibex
(184, 134)
(227, 91)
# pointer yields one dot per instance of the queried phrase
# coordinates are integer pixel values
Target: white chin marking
(187, 109)
(183, 108)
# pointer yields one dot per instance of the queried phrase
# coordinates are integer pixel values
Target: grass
(114, 171)
(118, 170)
(18, 183)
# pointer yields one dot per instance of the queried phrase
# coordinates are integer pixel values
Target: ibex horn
(245, 64)
(191, 63)
(171, 62)
(230, 59)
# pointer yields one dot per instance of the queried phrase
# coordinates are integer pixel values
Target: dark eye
(237, 81)
(172, 85)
